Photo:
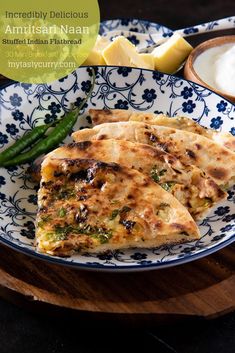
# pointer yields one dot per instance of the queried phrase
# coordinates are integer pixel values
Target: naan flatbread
(215, 160)
(182, 123)
(187, 183)
(91, 206)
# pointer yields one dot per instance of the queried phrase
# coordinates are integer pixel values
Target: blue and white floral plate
(139, 32)
(22, 106)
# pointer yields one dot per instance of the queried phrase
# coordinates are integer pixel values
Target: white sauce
(216, 67)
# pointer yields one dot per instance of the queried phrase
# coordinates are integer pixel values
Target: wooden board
(203, 288)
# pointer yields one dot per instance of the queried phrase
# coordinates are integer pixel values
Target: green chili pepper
(27, 140)
(54, 138)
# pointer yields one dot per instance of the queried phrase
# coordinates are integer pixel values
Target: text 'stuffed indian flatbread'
(187, 183)
(215, 160)
(87, 205)
(182, 123)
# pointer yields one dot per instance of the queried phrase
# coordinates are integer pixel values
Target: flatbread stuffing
(91, 206)
(187, 183)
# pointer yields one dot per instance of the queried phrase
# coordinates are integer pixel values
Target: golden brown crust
(178, 122)
(84, 205)
(215, 160)
(187, 183)
(104, 116)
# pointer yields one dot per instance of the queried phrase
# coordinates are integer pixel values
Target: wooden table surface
(29, 331)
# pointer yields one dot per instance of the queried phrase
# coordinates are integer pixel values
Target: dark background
(24, 331)
(171, 13)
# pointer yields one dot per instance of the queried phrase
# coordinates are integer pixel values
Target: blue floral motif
(54, 108)
(3, 139)
(189, 106)
(133, 39)
(124, 22)
(230, 195)
(33, 199)
(12, 169)
(218, 237)
(26, 85)
(15, 100)
(2, 196)
(105, 256)
(88, 119)
(189, 250)
(221, 211)
(216, 122)
(124, 71)
(79, 101)
(149, 95)
(229, 218)
(112, 89)
(221, 106)
(187, 92)
(49, 118)
(96, 69)
(17, 115)
(121, 105)
(86, 86)
(63, 79)
(167, 34)
(95, 264)
(227, 228)
(138, 256)
(2, 181)
(12, 129)
(190, 30)
(157, 75)
(134, 29)
(232, 131)
(30, 231)
(145, 262)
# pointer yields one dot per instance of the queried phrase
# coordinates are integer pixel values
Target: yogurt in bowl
(212, 64)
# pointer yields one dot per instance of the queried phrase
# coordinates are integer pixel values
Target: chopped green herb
(225, 187)
(100, 234)
(114, 214)
(117, 212)
(65, 194)
(113, 202)
(156, 175)
(62, 212)
(168, 186)
(207, 202)
(44, 220)
(125, 209)
(102, 237)
(63, 231)
(55, 237)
